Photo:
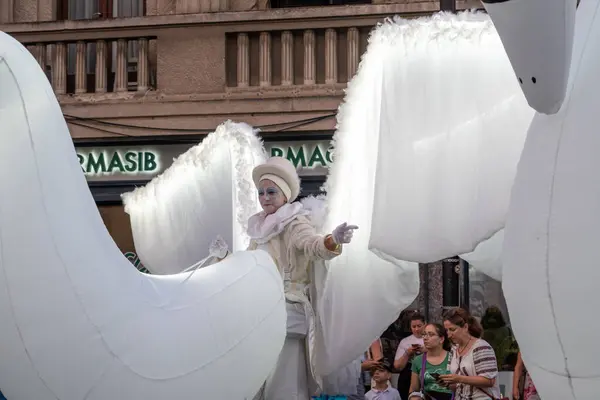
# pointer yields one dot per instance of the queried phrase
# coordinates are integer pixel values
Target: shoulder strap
(423, 366)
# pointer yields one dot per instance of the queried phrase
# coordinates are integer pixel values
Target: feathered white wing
(451, 122)
(208, 191)
(362, 294)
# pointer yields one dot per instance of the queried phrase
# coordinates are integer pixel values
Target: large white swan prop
(79, 321)
(550, 277)
(173, 224)
(452, 122)
(541, 58)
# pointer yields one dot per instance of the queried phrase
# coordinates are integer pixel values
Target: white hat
(282, 168)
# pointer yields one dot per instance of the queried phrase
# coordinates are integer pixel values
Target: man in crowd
(408, 348)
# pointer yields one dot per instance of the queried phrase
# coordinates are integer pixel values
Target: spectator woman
(473, 366)
(425, 382)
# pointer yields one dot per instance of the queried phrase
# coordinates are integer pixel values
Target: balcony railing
(95, 66)
(204, 55)
(294, 57)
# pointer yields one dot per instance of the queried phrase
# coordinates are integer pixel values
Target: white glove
(218, 248)
(343, 233)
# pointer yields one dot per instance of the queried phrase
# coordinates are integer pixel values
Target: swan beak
(538, 38)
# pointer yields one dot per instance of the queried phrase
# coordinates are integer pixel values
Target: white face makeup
(270, 196)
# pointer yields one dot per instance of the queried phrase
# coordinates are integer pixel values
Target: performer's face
(270, 196)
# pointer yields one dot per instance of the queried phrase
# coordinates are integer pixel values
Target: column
(287, 58)
(353, 49)
(101, 84)
(264, 62)
(310, 65)
(80, 68)
(331, 57)
(40, 55)
(142, 65)
(243, 60)
(59, 69)
(121, 67)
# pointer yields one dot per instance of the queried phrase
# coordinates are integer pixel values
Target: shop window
(118, 225)
(314, 3)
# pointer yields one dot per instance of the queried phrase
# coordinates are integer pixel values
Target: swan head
(538, 38)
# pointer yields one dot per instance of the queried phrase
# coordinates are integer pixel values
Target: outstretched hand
(218, 248)
(343, 233)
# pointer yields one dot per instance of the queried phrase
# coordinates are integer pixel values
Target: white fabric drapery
(452, 121)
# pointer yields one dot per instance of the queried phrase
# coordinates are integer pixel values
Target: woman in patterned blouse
(473, 361)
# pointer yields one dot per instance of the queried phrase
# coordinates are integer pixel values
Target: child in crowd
(382, 390)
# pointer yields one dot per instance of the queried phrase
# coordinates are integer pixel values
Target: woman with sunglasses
(473, 365)
(428, 367)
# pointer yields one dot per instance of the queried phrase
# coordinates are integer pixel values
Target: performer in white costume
(284, 230)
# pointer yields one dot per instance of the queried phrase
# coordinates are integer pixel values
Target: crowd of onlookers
(458, 359)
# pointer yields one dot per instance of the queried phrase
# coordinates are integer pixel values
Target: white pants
(289, 380)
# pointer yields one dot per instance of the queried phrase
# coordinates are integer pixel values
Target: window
(94, 9)
(314, 3)
(100, 9)
(448, 5)
(118, 225)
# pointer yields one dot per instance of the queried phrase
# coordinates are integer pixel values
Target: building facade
(142, 81)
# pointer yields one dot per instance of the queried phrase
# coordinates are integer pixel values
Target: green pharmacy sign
(135, 260)
(310, 158)
(106, 162)
(119, 163)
